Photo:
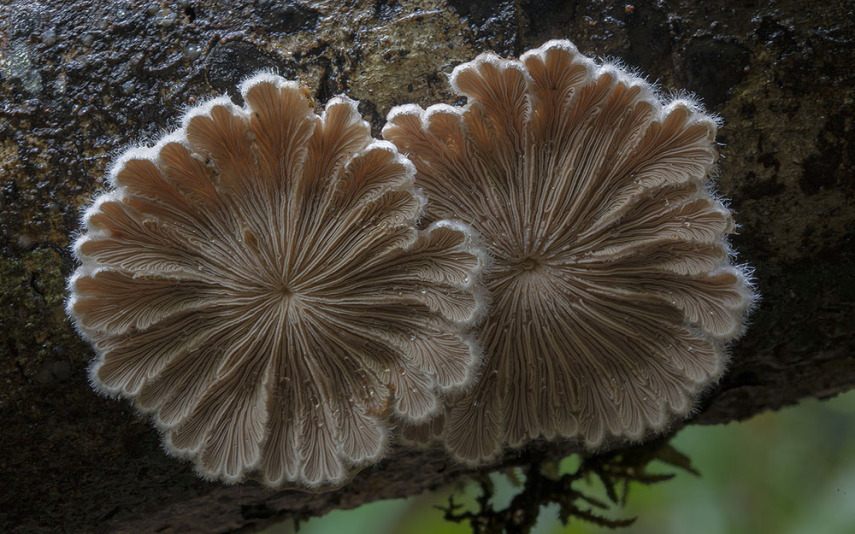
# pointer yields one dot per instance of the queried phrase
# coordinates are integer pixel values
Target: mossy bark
(82, 80)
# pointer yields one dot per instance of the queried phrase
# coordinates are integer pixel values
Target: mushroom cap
(257, 283)
(613, 288)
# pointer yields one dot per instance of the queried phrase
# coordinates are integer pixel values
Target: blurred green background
(788, 472)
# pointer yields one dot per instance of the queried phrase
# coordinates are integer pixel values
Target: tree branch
(82, 80)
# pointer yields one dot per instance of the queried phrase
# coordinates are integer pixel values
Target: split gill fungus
(256, 282)
(613, 290)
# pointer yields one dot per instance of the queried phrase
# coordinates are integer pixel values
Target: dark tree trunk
(81, 80)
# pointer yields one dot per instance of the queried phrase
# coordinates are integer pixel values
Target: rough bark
(81, 80)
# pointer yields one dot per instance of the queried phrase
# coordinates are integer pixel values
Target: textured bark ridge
(82, 81)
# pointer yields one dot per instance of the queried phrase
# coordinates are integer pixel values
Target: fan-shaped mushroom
(257, 283)
(613, 289)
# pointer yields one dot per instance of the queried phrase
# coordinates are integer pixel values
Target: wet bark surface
(82, 80)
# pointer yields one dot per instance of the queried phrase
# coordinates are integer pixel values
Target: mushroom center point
(529, 264)
(285, 292)
(286, 295)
